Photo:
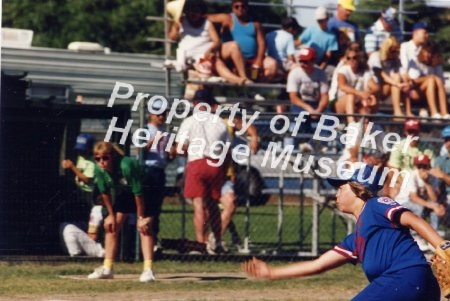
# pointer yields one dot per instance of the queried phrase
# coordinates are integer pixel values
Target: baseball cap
(307, 54)
(412, 124)
(446, 132)
(422, 160)
(205, 96)
(84, 142)
(157, 104)
(389, 14)
(420, 25)
(374, 152)
(347, 4)
(320, 13)
(362, 176)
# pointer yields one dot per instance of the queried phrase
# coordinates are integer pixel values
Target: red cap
(422, 160)
(306, 54)
(412, 124)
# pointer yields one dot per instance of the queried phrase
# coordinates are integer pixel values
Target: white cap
(157, 104)
(320, 13)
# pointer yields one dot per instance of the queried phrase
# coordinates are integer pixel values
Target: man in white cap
(385, 26)
(318, 37)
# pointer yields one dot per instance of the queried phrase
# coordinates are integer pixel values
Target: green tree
(118, 24)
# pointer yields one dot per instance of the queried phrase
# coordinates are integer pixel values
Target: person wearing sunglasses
(118, 179)
(199, 41)
(402, 158)
(239, 29)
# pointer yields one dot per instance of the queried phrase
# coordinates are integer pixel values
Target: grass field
(46, 281)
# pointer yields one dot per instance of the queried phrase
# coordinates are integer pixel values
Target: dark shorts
(203, 180)
(412, 284)
(125, 203)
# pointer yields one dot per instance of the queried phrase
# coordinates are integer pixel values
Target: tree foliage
(118, 24)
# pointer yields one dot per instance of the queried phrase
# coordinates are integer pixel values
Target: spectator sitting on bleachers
(403, 160)
(423, 191)
(352, 149)
(345, 30)
(280, 44)
(240, 29)
(385, 26)
(307, 86)
(385, 64)
(199, 41)
(356, 86)
(409, 51)
(428, 79)
(318, 37)
(334, 77)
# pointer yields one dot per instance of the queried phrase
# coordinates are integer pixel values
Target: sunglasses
(237, 6)
(423, 166)
(352, 58)
(102, 158)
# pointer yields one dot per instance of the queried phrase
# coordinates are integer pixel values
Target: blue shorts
(412, 284)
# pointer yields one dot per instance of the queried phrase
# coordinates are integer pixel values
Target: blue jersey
(379, 242)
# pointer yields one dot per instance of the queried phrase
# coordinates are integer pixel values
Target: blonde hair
(102, 147)
(388, 44)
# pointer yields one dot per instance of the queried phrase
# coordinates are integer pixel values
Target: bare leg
(199, 219)
(147, 244)
(226, 73)
(228, 200)
(346, 105)
(215, 219)
(111, 239)
(395, 96)
(231, 51)
(429, 87)
(441, 96)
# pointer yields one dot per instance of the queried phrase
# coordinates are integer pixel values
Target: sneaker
(437, 116)
(259, 97)
(423, 113)
(305, 147)
(147, 276)
(446, 116)
(101, 273)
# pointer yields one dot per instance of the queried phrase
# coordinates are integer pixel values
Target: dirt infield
(291, 293)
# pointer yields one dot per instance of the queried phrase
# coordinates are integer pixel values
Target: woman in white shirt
(356, 86)
(385, 65)
(199, 41)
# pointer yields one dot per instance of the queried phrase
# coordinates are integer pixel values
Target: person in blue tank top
(239, 30)
(381, 242)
